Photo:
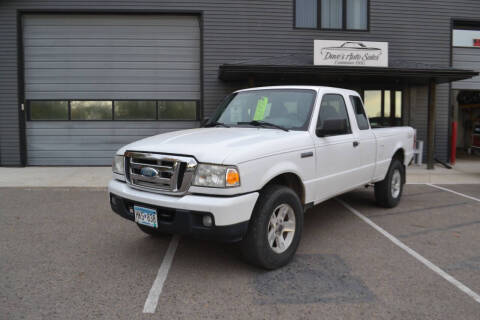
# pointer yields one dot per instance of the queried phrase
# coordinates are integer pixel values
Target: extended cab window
(333, 114)
(362, 120)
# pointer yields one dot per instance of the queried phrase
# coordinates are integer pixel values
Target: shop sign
(350, 53)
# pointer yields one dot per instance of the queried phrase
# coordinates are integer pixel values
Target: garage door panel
(111, 20)
(115, 87)
(74, 154)
(152, 58)
(111, 124)
(106, 57)
(74, 161)
(93, 132)
(188, 53)
(466, 58)
(114, 65)
(93, 31)
(151, 35)
(92, 140)
(143, 95)
(68, 146)
(119, 77)
(69, 42)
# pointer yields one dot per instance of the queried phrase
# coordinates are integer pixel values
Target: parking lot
(65, 255)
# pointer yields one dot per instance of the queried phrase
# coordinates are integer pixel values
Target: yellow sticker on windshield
(261, 107)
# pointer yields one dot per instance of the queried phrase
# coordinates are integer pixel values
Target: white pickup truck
(249, 174)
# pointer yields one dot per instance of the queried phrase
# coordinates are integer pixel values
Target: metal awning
(300, 69)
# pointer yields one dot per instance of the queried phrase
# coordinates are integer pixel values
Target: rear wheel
(389, 191)
(275, 228)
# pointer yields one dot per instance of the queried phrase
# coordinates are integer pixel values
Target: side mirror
(204, 122)
(332, 127)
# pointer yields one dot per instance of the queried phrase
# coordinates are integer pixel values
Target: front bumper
(183, 215)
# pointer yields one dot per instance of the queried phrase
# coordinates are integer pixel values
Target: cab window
(333, 108)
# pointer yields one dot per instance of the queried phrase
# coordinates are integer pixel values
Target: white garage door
(96, 82)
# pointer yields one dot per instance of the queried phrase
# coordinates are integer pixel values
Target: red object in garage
(453, 150)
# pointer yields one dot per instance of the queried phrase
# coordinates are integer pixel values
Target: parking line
(413, 253)
(156, 290)
(452, 191)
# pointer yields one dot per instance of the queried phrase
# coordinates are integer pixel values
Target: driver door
(336, 164)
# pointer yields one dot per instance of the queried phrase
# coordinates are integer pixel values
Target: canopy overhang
(300, 69)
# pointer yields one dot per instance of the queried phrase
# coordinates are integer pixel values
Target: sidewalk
(464, 172)
(55, 177)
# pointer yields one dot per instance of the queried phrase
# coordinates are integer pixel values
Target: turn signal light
(232, 178)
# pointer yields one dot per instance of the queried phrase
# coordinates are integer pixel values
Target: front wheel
(389, 191)
(275, 228)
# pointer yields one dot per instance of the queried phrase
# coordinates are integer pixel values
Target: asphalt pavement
(65, 255)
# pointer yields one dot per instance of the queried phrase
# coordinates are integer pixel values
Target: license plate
(145, 216)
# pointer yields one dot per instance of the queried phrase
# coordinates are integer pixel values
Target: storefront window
(357, 14)
(373, 106)
(466, 34)
(384, 107)
(332, 14)
(398, 105)
(306, 13)
(387, 104)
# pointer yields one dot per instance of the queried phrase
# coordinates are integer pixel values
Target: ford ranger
(253, 169)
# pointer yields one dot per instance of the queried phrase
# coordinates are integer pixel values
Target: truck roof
(316, 88)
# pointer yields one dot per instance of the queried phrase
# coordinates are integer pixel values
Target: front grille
(159, 172)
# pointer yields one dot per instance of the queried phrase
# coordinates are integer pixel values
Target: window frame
(319, 19)
(349, 123)
(464, 25)
(112, 119)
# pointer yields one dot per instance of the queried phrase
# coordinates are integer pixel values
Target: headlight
(118, 165)
(216, 176)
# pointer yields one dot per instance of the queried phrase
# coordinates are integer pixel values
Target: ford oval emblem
(148, 172)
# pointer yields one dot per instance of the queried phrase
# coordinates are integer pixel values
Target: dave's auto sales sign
(350, 53)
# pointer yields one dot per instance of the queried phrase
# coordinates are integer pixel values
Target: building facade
(81, 78)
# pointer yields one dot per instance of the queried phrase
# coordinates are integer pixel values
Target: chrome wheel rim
(396, 183)
(281, 228)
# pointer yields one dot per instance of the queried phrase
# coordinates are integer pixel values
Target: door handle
(355, 144)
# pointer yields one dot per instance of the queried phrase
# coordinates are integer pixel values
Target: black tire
(255, 246)
(384, 194)
(150, 231)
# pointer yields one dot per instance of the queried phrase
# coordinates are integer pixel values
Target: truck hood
(223, 145)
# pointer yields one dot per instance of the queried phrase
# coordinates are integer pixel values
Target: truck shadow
(310, 278)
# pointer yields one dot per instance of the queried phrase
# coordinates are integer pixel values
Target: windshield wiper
(260, 123)
(216, 123)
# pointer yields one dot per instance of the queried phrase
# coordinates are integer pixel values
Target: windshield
(287, 108)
